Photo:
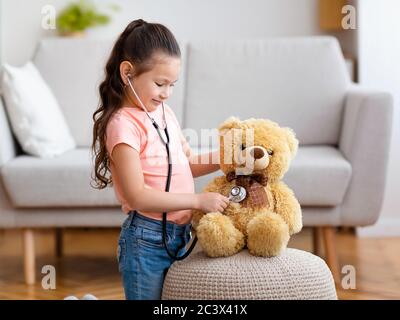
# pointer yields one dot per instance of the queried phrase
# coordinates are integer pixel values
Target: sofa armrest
(365, 142)
(8, 148)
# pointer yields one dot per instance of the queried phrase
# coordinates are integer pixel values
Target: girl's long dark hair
(137, 44)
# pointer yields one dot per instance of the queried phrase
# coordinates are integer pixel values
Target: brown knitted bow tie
(256, 177)
(255, 188)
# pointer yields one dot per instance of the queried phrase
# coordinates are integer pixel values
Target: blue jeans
(142, 259)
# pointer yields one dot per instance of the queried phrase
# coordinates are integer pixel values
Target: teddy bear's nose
(257, 153)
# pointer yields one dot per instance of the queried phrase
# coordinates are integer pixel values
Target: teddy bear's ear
(292, 141)
(228, 124)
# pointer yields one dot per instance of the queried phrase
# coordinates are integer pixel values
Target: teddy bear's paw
(218, 236)
(268, 235)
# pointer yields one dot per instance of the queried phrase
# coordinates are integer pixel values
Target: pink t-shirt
(132, 126)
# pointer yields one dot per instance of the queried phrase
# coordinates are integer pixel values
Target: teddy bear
(263, 212)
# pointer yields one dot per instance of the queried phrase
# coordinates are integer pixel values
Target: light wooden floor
(89, 266)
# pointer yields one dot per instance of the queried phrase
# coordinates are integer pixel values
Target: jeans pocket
(121, 253)
(151, 238)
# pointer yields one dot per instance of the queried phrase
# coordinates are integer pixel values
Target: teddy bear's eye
(243, 146)
(270, 152)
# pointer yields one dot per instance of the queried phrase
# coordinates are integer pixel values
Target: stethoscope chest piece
(237, 194)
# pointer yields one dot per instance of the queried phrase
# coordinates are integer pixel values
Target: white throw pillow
(36, 118)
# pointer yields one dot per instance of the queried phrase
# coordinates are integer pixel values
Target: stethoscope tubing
(168, 182)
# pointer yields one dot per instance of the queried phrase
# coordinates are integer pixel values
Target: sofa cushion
(34, 113)
(297, 82)
(319, 176)
(8, 145)
(74, 79)
(62, 181)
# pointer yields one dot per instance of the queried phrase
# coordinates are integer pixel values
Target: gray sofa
(339, 172)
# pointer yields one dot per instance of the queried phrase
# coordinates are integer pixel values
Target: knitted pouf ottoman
(295, 274)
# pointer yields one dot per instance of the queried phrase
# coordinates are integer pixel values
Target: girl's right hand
(211, 202)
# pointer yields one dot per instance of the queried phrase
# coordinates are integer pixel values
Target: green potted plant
(79, 16)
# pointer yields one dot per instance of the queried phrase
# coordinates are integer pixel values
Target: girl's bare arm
(204, 164)
(200, 164)
(129, 172)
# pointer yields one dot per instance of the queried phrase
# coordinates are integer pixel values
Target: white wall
(20, 26)
(1, 32)
(379, 67)
(188, 19)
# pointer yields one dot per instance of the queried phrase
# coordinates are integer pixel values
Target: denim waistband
(137, 219)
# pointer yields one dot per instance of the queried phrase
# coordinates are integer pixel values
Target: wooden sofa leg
(29, 255)
(330, 252)
(317, 235)
(59, 242)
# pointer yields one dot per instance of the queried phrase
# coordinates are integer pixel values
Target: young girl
(140, 74)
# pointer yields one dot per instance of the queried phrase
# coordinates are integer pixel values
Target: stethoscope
(167, 185)
(237, 193)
